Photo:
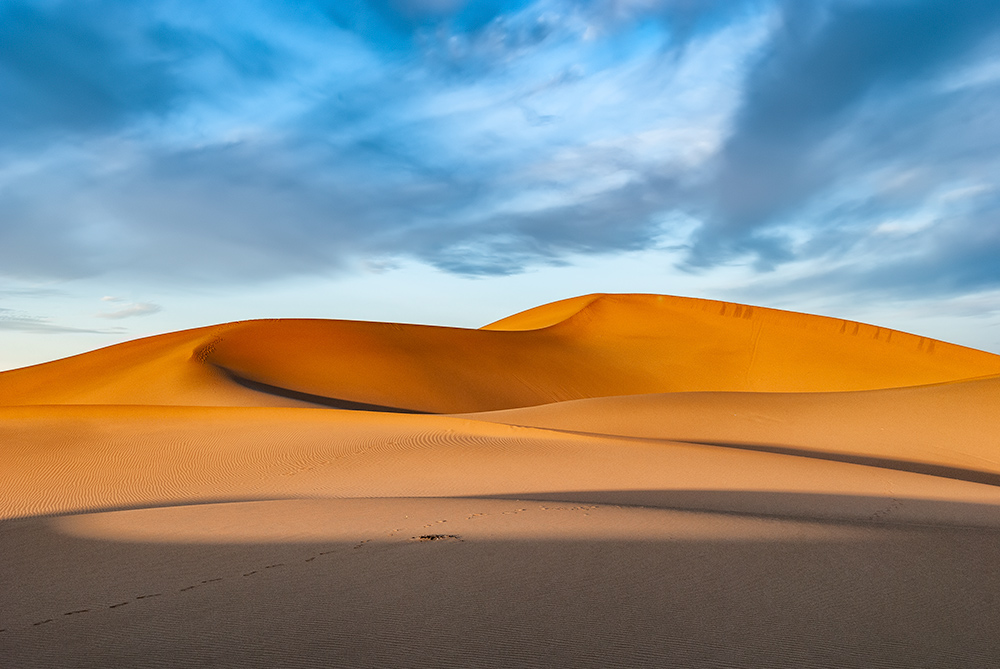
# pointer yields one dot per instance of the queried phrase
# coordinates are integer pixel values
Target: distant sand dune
(605, 345)
(610, 480)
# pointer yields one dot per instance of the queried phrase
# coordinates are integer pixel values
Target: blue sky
(170, 163)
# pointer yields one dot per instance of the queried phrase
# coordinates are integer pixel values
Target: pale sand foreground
(187, 500)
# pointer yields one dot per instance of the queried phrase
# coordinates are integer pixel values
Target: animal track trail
(484, 514)
(255, 572)
(437, 537)
(887, 511)
(571, 508)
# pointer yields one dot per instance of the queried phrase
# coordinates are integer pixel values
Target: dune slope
(602, 346)
(950, 429)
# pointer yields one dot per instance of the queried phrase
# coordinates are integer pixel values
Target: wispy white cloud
(22, 322)
(130, 310)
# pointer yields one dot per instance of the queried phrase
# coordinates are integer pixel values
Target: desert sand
(609, 480)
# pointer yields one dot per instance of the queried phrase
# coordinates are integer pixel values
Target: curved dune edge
(545, 315)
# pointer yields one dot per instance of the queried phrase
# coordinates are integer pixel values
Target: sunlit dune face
(593, 346)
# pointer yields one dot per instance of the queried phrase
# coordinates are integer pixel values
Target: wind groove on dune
(983, 476)
(912, 466)
(321, 400)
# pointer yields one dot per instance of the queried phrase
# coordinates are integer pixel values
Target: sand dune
(610, 345)
(125, 457)
(613, 480)
(950, 429)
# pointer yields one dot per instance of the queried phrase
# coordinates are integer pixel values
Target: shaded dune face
(586, 347)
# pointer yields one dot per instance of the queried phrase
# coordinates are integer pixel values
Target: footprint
(272, 566)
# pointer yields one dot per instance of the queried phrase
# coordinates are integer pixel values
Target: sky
(169, 164)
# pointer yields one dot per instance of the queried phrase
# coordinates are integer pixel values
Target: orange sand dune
(618, 480)
(597, 346)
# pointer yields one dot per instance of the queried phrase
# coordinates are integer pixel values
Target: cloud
(71, 69)
(21, 322)
(130, 309)
(30, 291)
(172, 142)
(826, 104)
(399, 160)
(60, 68)
(953, 256)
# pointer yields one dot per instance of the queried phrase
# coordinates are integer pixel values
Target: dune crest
(543, 316)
